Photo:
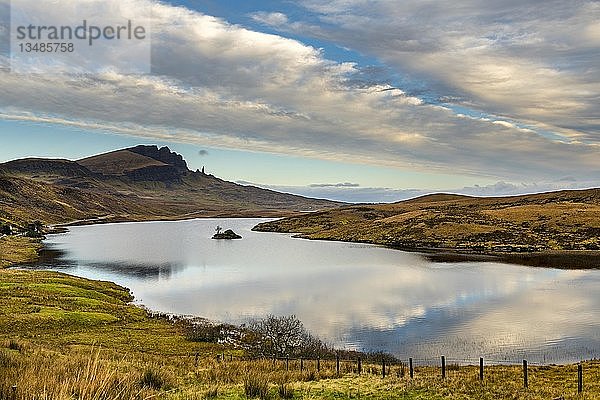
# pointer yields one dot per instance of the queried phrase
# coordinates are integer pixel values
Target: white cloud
(273, 18)
(336, 185)
(533, 61)
(355, 193)
(224, 85)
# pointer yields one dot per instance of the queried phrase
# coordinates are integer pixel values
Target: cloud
(337, 185)
(273, 18)
(223, 85)
(360, 194)
(202, 153)
(533, 61)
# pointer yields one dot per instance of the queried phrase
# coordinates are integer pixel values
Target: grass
(256, 386)
(18, 250)
(58, 191)
(64, 337)
(563, 227)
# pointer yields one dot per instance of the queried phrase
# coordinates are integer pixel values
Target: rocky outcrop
(228, 234)
(164, 154)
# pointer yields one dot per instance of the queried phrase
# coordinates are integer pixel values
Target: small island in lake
(228, 234)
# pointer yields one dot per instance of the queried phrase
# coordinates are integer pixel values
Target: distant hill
(140, 163)
(138, 183)
(564, 221)
(120, 162)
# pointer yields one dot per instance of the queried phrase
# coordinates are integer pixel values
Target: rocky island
(228, 234)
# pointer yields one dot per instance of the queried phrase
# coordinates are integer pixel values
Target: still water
(352, 296)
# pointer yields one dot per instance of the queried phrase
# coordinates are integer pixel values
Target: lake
(351, 295)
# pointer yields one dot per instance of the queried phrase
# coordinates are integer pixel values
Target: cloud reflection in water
(351, 295)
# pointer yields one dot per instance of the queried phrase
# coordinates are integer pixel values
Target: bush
(5, 229)
(7, 361)
(207, 333)
(285, 336)
(35, 229)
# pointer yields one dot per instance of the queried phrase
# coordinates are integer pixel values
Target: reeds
(81, 376)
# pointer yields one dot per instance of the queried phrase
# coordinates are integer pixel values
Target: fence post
(443, 367)
(480, 368)
(383, 367)
(301, 364)
(318, 364)
(359, 365)
(287, 363)
(14, 392)
(410, 367)
(525, 382)
(579, 378)
(231, 357)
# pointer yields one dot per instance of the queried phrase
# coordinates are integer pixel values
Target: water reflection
(58, 260)
(351, 295)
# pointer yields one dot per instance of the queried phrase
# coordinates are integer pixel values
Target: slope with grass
(18, 250)
(561, 228)
(139, 183)
(65, 337)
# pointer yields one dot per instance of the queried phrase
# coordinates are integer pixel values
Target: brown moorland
(559, 229)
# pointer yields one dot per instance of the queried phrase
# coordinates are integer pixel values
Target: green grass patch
(61, 335)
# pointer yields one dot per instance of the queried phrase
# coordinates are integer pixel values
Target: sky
(354, 100)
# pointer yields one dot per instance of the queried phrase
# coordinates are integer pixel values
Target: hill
(119, 162)
(559, 228)
(138, 183)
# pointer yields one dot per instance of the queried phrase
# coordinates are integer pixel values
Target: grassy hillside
(118, 162)
(551, 223)
(129, 185)
(18, 250)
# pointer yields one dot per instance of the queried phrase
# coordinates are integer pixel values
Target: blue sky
(396, 99)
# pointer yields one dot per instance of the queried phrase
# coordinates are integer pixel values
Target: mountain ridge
(137, 183)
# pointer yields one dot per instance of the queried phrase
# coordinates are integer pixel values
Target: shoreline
(557, 259)
(116, 219)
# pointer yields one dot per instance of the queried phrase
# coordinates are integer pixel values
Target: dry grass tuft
(256, 386)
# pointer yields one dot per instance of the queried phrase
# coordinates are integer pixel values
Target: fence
(384, 367)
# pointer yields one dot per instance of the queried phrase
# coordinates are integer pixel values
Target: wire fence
(387, 366)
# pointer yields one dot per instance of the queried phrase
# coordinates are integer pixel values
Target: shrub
(5, 229)
(284, 336)
(207, 333)
(7, 360)
(35, 229)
